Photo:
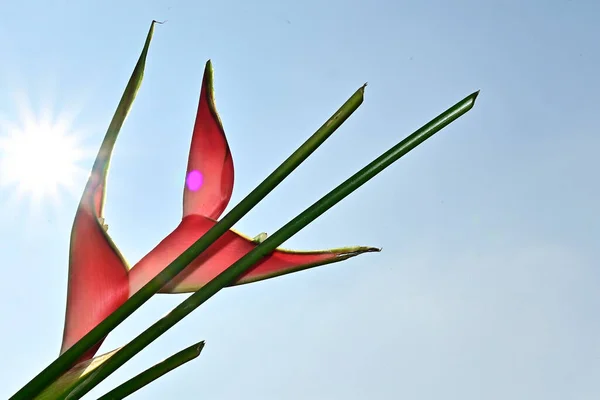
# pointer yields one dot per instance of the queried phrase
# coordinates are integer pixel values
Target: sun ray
(40, 155)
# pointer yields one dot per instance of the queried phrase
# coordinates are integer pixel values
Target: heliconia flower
(100, 279)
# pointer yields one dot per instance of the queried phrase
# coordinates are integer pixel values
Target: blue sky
(487, 285)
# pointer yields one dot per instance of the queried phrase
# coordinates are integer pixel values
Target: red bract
(98, 274)
(99, 278)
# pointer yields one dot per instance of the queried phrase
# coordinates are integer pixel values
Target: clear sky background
(487, 285)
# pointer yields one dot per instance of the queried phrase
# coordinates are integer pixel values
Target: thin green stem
(69, 357)
(154, 372)
(232, 273)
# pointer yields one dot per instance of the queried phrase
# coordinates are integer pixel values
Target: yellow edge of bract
(340, 254)
(70, 379)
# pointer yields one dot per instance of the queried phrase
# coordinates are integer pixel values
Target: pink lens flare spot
(194, 180)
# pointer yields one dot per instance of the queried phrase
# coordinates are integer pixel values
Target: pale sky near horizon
(487, 285)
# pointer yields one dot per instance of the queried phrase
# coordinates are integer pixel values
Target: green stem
(232, 273)
(154, 372)
(69, 357)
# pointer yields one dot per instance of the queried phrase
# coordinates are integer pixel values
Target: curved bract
(98, 282)
(225, 251)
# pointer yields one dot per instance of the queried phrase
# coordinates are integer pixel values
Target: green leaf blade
(151, 374)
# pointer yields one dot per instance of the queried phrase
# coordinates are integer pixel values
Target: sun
(39, 157)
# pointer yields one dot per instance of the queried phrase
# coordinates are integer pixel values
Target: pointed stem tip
(200, 346)
(151, 374)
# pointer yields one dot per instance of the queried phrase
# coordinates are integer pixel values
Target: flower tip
(261, 237)
(208, 75)
(362, 249)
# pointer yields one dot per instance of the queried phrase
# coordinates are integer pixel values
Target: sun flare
(39, 157)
